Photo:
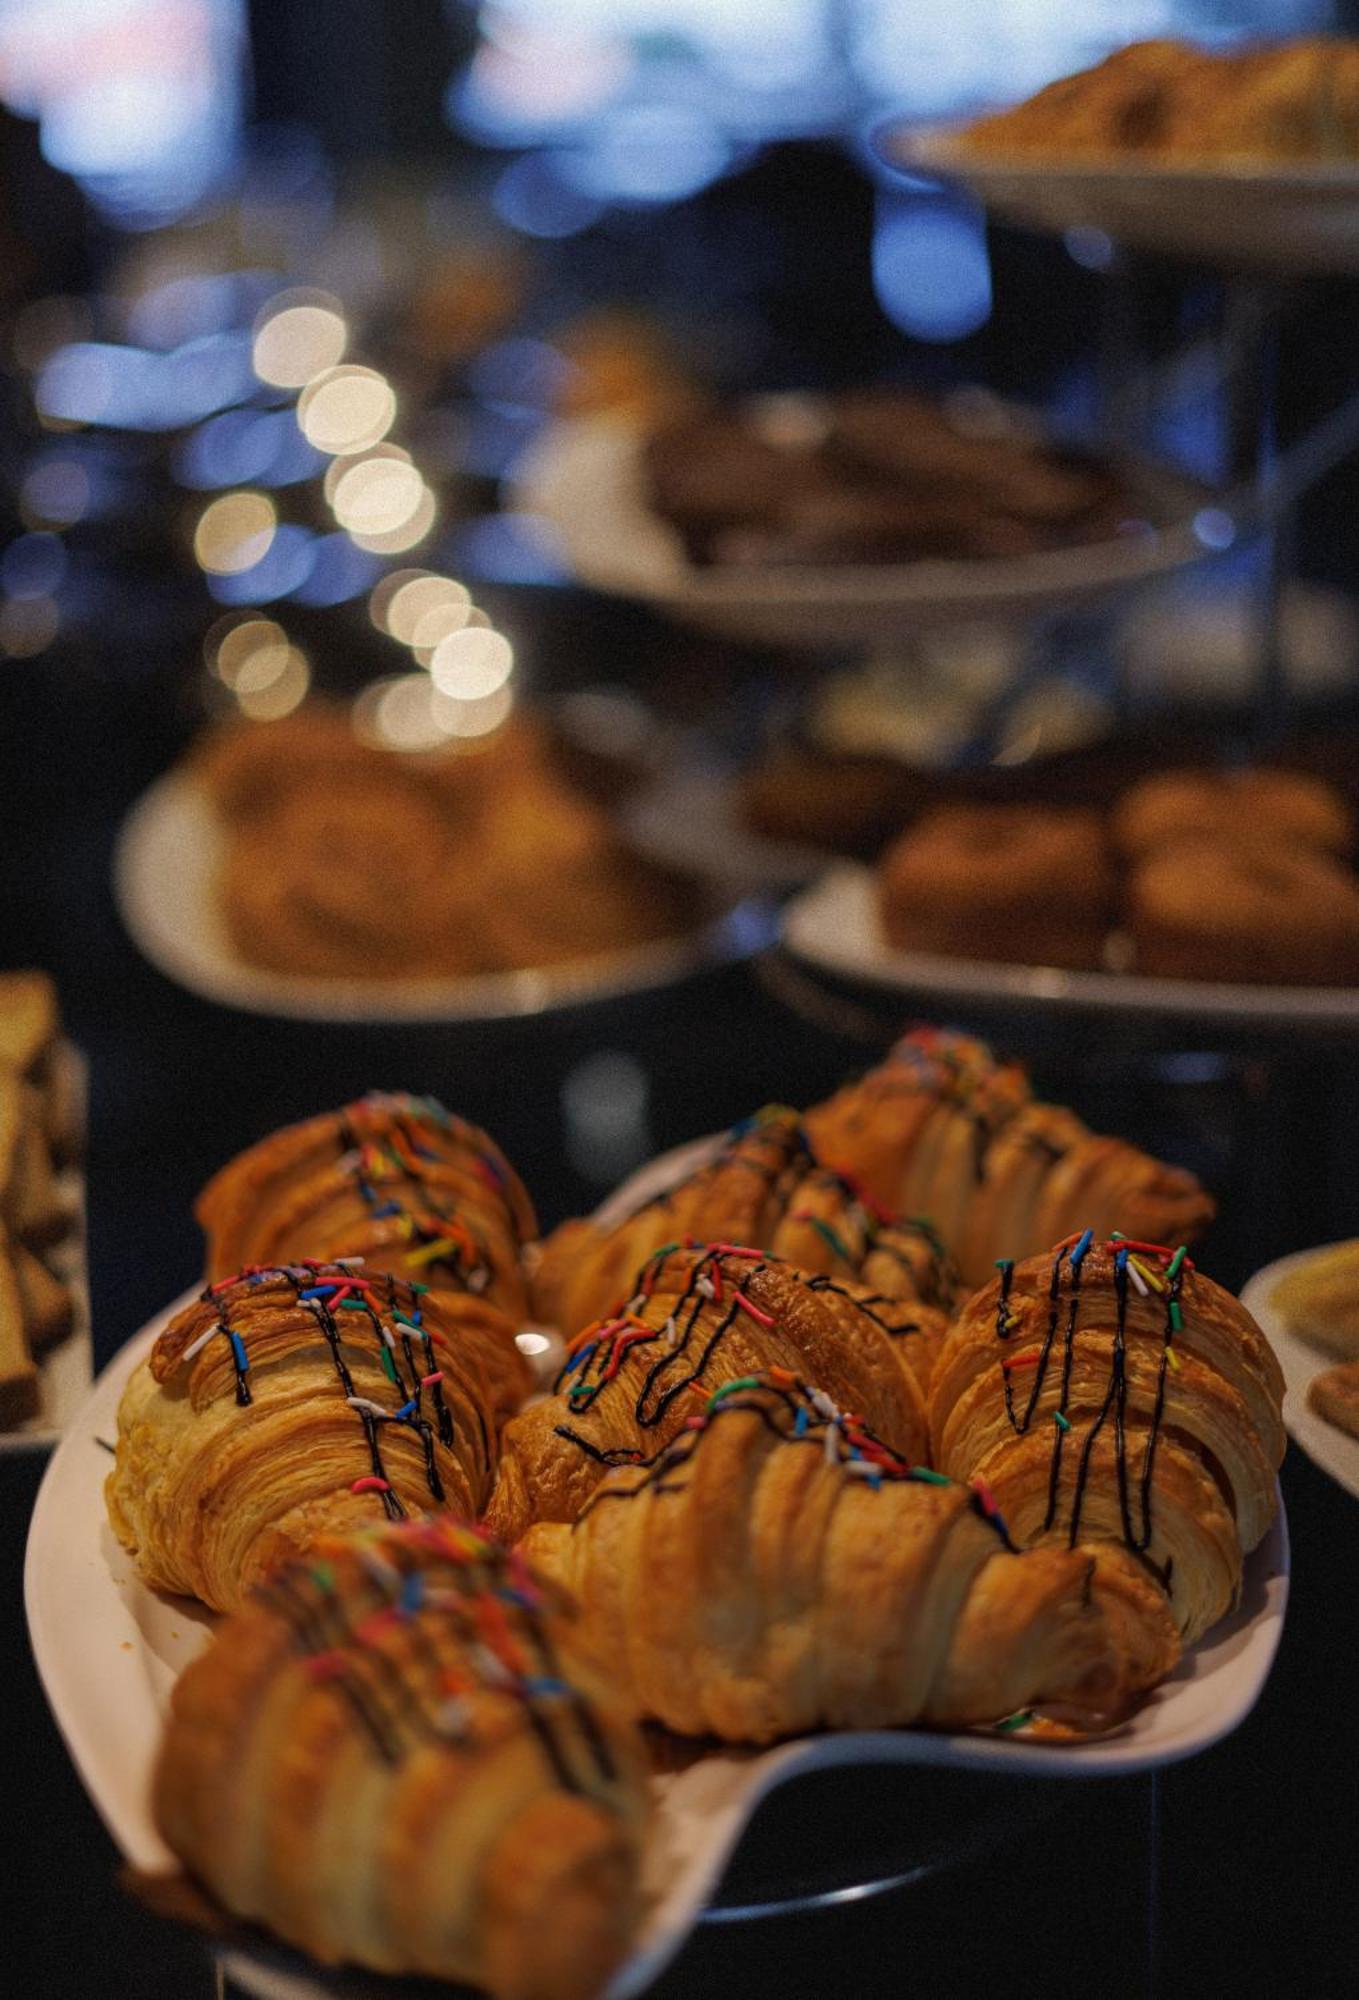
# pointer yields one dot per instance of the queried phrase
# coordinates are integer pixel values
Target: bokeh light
(449, 615)
(472, 664)
(402, 712)
(33, 566)
(347, 409)
(269, 687)
(28, 625)
(298, 335)
(377, 495)
(395, 541)
(237, 648)
(234, 533)
(56, 490)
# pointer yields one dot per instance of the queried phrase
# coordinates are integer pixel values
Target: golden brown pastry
(698, 1318)
(18, 1376)
(1216, 910)
(1024, 883)
(1320, 1300)
(1334, 1395)
(944, 1130)
(303, 1400)
(30, 1046)
(393, 1178)
(1108, 1390)
(1259, 808)
(778, 1569)
(398, 1755)
(764, 1187)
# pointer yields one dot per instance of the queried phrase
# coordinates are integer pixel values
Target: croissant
(1109, 1391)
(294, 1401)
(700, 1318)
(765, 1187)
(395, 1179)
(778, 1569)
(398, 1755)
(944, 1130)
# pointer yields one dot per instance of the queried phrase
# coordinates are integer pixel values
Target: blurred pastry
(1218, 910)
(1019, 883)
(399, 1755)
(1260, 807)
(1334, 1395)
(1320, 1300)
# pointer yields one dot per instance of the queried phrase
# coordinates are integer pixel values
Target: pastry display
(1242, 877)
(778, 1569)
(345, 861)
(943, 1129)
(1334, 1395)
(1008, 881)
(1168, 102)
(697, 1319)
(873, 475)
(1320, 1300)
(1108, 1391)
(762, 1186)
(398, 1755)
(290, 1402)
(393, 1179)
(38, 1135)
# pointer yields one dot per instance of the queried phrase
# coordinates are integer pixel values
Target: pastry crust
(776, 1569)
(399, 1756)
(1320, 1301)
(1108, 1391)
(1257, 808)
(1214, 909)
(1334, 1395)
(765, 1188)
(700, 1318)
(942, 1129)
(239, 1444)
(393, 1178)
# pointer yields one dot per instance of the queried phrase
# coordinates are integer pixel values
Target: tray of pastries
(45, 1352)
(842, 519)
(1229, 895)
(1247, 155)
(292, 868)
(1308, 1305)
(810, 1480)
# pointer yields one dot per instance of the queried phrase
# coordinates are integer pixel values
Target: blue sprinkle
(238, 1349)
(1079, 1251)
(317, 1292)
(406, 1410)
(572, 1367)
(800, 1427)
(1121, 1263)
(413, 1591)
(544, 1684)
(387, 1208)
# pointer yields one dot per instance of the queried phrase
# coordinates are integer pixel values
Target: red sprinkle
(372, 1484)
(748, 1305)
(430, 1381)
(325, 1666)
(985, 1495)
(1027, 1359)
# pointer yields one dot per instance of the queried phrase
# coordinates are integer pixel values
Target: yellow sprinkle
(1152, 1278)
(429, 1251)
(1173, 1358)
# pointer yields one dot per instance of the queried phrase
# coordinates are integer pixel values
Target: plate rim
(729, 934)
(844, 892)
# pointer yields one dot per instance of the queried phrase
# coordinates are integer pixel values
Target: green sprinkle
(404, 1319)
(354, 1305)
(666, 1250)
(730, 1388)
(1062, 1423)
(1005, 1263)
(1176, 1319)
(1173, 1266)
(323, 1576)
(419, 1290)
(928, 1478)
(828, 1235)
(388, 1365)
(1020, 1720)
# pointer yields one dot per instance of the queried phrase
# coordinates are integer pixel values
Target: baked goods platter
(846, 1504)
(588, 478)
(1327, 1431)
(46, 1356)
(834, 927)
(1243, 160)
(164, 868)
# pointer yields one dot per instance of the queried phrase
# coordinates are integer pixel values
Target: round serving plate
(1325, 1444)
(834, 928)
(108, 1651)
(164, 873)
(1252, 215)
(584, 476)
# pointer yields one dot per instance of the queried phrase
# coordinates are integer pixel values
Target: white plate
(689, 819)
(834, 925)
(108, 1650)
(1325, 1444)
(164, 874)
(584, 476)
(67, 1368)
(1264, 216)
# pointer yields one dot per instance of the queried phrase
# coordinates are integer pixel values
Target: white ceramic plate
(164, 871)
(834, 926)
(1325, 1444)
(584, 476)
(1264, 216)
(66, 1369)
(108, 1650)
